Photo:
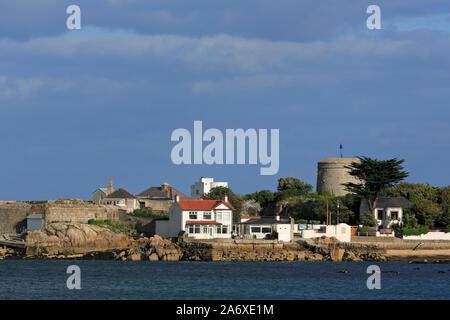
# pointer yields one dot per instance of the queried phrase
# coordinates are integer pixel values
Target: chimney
(110, 186)
(166, 188)
(225, 198)
(177, 198)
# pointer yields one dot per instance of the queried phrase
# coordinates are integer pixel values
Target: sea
(48, 279)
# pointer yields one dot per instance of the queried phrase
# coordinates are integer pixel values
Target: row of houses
(211, 219)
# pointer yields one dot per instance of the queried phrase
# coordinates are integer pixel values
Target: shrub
(301, 221)
(315, 222)
(414, 231)
(367, 219)
(148, 213)
(366, 229)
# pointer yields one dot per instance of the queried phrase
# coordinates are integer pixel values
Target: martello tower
(331, 174)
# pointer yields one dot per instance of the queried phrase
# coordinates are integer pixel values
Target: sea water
(38, 279)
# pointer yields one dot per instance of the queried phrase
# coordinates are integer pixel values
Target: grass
(113, 226)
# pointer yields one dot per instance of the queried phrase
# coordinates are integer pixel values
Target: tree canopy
(374, 175)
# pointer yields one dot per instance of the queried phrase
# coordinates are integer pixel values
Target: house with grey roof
(123, 199)
(159, 198)
(388, 211)
(263, 227)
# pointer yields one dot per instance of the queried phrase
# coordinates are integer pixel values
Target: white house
(261, 227)
(388, 210)
(204, 185)
(342, 232)
(200, 219)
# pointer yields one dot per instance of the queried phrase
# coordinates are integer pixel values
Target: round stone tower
(331, 174)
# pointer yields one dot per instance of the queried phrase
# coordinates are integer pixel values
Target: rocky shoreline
(90, 242)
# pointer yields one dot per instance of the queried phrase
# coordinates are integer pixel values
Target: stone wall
(158, 205)
(76, 213)
(13, 216)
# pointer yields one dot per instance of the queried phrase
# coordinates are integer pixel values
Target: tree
(263, 197)
(300, 187)
(218, 193)
(367, 219)
(375, 175)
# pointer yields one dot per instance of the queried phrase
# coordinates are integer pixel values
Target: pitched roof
(120, 194)
(393, 202)
(160, 193)
(202, 204)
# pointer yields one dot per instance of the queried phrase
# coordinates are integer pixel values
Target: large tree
(294, 184)
(374, 175)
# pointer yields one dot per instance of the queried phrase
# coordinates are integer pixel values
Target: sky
(80, 106)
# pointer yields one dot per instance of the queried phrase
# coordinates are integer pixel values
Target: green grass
(113, 226)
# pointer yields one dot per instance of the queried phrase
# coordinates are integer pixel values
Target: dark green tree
(236, 201)
(374, 175)
(263, 197)
(300, 187)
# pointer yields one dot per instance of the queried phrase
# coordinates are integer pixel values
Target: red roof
(201, 204)
(202, 222)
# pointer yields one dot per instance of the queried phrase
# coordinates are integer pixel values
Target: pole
(327, 211)
(337, 218)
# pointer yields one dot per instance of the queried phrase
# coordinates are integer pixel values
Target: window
(380, 214)
(219, 216)
(224, 229)
(197, 228)
(191, 229)
(207, 215)
(219, 229)
(205, 229)
(394, 215)
(193, 215)
(141, 205)
(266, 229)
(256, 229)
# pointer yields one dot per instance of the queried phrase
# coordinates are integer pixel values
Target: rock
(134, 257)
(153, 257)
(343, 271)
(76, 237)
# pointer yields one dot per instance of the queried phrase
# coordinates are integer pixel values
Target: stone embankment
(85, 241)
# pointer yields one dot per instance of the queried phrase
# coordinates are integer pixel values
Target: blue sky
(78, 107)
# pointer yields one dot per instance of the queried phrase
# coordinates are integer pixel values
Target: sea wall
(13, 216)
(79, 213)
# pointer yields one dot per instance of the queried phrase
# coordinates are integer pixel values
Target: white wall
(430, 236)
(204, 185)
(342, 232)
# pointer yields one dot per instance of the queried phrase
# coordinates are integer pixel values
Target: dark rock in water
(394, 272)
(441, 271)
(416, 268)
(343, 271)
